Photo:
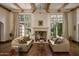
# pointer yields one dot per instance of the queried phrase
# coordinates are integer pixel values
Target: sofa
(60, 47)
(22, 46)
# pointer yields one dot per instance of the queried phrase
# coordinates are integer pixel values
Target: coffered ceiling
(32, 7)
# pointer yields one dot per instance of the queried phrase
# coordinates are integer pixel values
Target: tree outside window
(56, 24)
(24, 24)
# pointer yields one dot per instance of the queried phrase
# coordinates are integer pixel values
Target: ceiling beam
(47, 7)
(74, 8)
(62, 7)
(5, 8)
(69, 10)
(18, 6)
(33, 7)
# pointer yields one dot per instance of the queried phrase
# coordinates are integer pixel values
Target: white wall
(11, 22)
(5, 18)
(2, 20)
(77, 18)
(65, 25)
(74, 25)
(73, 21)
(70, 25)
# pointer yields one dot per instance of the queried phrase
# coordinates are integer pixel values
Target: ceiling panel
(71, 5)
(40, 5)
(25, 5)
(55, 6)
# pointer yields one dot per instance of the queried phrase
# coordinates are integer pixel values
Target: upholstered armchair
(61, 47)
(22, 43)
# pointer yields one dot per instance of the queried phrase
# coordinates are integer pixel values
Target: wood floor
(42, 50)
(5, 47)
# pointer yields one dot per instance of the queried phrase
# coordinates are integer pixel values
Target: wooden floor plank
(40, 50)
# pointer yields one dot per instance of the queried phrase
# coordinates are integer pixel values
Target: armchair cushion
(23, 41)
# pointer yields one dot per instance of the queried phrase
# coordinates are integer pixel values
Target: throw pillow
(26, 38)
(23, 41)
(58, 41)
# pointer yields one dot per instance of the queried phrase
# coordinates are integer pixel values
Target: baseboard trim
(5, 41)
(74, 41)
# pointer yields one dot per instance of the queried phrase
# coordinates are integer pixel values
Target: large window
(56, 24)
(24, 24)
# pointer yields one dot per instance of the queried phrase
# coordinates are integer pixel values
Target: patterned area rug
(39, 50)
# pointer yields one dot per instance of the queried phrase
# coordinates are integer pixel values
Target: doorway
(1, 30)
(40, 35)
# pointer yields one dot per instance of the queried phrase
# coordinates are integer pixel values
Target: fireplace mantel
(40, 28)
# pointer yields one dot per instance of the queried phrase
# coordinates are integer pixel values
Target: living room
(39, 29)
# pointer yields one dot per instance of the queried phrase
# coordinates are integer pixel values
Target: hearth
(40, 35)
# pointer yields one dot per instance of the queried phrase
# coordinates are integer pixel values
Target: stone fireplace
(40, 25)
(41, 32)
(42, 35)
